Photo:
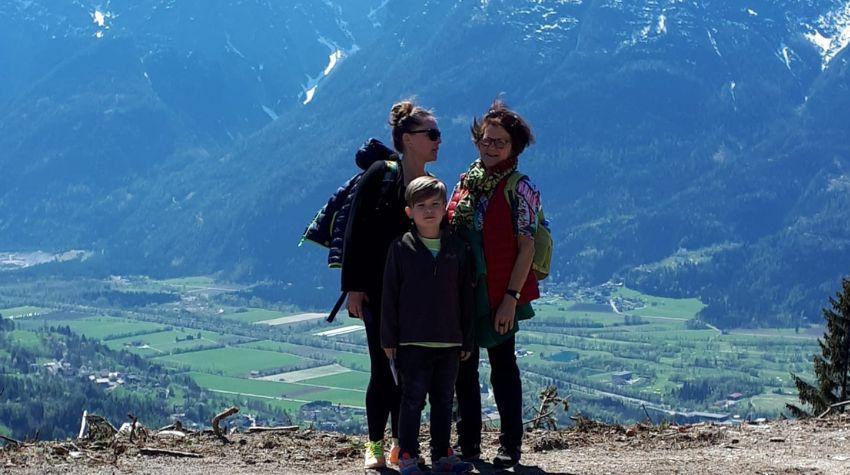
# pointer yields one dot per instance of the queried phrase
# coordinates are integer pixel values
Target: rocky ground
(787, 447)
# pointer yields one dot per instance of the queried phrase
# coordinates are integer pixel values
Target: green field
(165, 342)
(355, 361)
(196, 281)
(252, 315)
(660, 306)
(26, 339)
(287, 391)
(99, 327)
(234, 361)
(580, 342)
(352, 380)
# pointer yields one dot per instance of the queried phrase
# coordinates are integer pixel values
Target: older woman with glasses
(377, 217)
(495, 208)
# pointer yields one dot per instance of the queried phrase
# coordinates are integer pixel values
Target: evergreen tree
(831, 366)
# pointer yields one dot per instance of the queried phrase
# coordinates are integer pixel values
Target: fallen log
(171, 453)
(252, 430)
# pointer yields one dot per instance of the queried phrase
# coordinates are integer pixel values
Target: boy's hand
(390, 353)
(355, 304)
(464, 355)
(504, 321)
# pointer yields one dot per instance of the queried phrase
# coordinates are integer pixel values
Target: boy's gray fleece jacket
(427, 298)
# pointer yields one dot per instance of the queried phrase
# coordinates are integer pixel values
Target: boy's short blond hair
(423, 188)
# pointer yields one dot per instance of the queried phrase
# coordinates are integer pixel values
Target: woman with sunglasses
(377, 217)
(498, 217)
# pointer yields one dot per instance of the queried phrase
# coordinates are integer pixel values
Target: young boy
(426, 325)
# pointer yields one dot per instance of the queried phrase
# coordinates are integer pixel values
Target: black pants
(382, 394)
(426, 372)
(507, 388)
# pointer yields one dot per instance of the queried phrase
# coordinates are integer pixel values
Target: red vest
(501, 249)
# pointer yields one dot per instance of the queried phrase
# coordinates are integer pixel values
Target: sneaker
(506, 458)
(408, 465)
(451, 463)
(470, 454)
(374, 455)
(395, 451)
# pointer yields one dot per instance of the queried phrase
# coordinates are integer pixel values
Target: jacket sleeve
(467, 300)
(390, 299)
(355, 275)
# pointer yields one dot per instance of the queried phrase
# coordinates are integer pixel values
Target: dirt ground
(774, 447)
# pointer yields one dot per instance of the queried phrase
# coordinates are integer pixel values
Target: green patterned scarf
(480, 183)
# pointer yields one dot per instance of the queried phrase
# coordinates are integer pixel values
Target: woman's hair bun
(400, 111)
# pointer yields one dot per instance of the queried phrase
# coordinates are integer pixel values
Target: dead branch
(83, 425)
(176, 426)
(172, 453)
(538, 418)
(11, 440)
(133, 427)
(834, 406)
(647, 414)
(252, 430)
(217, 419)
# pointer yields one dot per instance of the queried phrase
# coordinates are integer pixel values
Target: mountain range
(686, 147)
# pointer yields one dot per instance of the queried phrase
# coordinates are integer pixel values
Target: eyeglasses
(433, 134)
(499, 144)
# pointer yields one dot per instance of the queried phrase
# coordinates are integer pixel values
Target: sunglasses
(433, 134)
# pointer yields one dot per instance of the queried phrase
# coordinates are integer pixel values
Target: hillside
(690, 148)
(812, 447)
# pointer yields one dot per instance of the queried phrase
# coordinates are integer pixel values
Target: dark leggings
(382, 395)
(507, 389)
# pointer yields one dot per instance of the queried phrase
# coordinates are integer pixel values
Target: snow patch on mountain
(713, 43)
(831, 33)
(661, 27)
(334, 58)
(100, 19)
(784, 56)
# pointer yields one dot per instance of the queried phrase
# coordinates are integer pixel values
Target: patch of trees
(115, 298)
(715, 388)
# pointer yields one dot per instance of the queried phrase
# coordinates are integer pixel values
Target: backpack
(327, 228)
(543, 242)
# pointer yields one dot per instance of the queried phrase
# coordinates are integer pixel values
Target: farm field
(586, 346)
(302, 392)
(234, 361)
(165, 342)
(253, 315)
(578, 344)
(96, 327)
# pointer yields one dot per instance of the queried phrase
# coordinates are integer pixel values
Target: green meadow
(579, 343)
(165, 342)
(234, 361)
(97, 327)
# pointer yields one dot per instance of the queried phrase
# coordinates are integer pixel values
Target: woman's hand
(464, 355)
(356, 300)
(390, 352)
(504, 321)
